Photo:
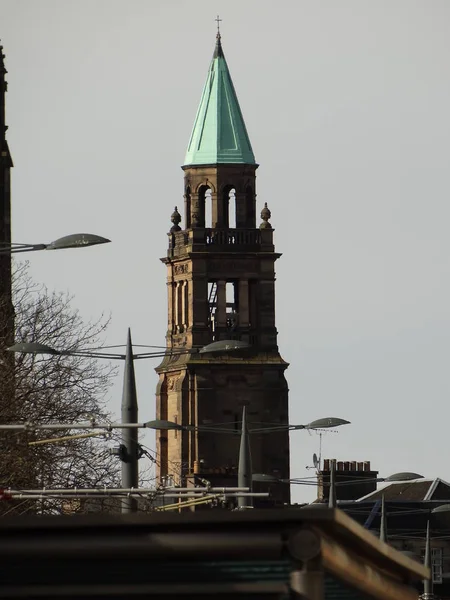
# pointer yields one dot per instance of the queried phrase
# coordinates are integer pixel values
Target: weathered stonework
(205, 391)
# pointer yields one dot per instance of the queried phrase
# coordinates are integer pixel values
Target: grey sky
(347, 107)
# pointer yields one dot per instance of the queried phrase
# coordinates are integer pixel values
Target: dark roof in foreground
(205, 553)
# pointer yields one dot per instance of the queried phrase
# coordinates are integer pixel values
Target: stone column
(177, 306)
(216, 213)
(186, 303)
(182, 285)
(189, 302)
(170, 304)
(244, 316)
(241, 210)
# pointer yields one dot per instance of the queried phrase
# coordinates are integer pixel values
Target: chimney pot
(360, 466)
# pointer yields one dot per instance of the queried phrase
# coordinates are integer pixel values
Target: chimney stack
(353, 480)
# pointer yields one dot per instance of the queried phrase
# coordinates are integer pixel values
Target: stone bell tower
(221, 286)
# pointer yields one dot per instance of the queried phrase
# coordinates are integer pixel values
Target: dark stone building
(6, 312)
(7, 406)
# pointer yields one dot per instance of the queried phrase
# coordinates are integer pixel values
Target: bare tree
(53, 388)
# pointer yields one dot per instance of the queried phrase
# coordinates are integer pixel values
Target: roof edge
(391, 484)
(220, 164)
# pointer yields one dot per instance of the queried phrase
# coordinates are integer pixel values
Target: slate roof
(416, 490)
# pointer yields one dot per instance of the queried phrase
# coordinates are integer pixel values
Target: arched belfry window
(198, 213)
(228, 207)
(208, 208)
(232, 209)
(223, 302)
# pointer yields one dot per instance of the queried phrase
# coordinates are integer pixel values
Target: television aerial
(317, 460)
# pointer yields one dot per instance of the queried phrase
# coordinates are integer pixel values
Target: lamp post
(332, 498)
(245, 476)
(428, 591)
(245, 462)
(130, 446)
(383, 522)
(74, 240)
(429, 562)
(428, 583)
(129, 450)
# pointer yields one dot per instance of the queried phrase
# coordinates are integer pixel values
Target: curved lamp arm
(74, 240)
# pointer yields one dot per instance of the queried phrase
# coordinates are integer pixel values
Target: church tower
(221, 286)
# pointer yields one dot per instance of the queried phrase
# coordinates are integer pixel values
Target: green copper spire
(219, 135)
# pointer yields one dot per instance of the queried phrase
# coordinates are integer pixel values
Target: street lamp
(245, 476)
(399, 477)
(428, 593)
(428, 583)
(317, 424)
(74, 240)
(129, 450)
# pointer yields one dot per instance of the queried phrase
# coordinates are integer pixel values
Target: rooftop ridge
(377, 493)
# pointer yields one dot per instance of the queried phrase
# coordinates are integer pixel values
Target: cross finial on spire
(218, 49)
(218, 20)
